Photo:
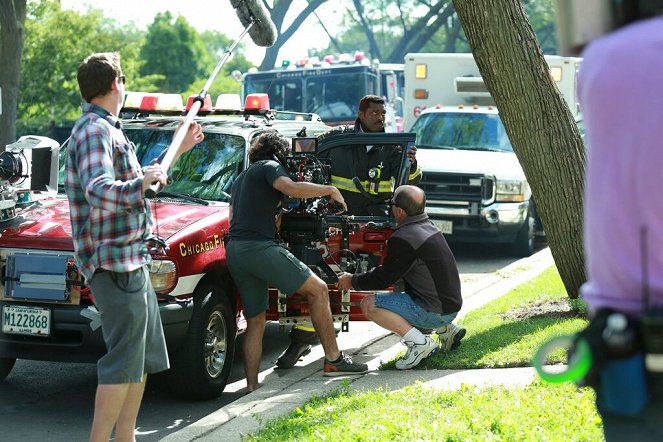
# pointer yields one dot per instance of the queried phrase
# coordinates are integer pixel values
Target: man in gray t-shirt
(256, 259)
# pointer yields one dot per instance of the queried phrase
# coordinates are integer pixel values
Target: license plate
(21, 320)
(445, 227)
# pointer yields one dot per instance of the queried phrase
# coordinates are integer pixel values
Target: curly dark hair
(268, 145)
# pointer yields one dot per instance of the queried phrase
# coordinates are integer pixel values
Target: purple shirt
(104, 182)
(621, 94)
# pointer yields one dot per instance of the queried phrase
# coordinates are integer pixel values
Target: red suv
(47, 312)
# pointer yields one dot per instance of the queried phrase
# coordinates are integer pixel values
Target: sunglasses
(123, 79)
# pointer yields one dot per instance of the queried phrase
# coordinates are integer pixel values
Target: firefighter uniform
(365, 177)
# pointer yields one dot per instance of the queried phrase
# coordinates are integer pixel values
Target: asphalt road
(46, 401)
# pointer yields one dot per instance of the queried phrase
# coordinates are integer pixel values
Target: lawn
(503, 333)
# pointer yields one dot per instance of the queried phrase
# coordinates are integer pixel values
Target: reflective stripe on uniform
(346, 184)
(415, 174)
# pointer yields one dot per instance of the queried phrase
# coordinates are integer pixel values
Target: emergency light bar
(206, 107)
(226, 104)
(256, 104)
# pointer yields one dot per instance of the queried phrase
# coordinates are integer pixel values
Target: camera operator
(364, 177)
(256, 259)
(418, 253)
(620, 91)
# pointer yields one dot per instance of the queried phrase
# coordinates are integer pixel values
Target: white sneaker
(416, 353)
(450, 336)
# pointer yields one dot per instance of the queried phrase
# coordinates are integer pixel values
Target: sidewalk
(286, 390)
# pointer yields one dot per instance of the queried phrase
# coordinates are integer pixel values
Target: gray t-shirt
(255, 202)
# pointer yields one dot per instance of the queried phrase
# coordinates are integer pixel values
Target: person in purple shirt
(110, 222)
(620, 89)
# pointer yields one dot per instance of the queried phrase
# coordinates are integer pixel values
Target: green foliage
(174, 50)
(56, 41)
(392, 22)
(55, 44)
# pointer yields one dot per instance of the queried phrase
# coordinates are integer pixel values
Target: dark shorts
(131, 326)
(254, 265)
(404, 306)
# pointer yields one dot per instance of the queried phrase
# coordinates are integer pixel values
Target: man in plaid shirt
(110, 222)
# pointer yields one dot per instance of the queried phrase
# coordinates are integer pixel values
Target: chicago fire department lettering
(201, 247)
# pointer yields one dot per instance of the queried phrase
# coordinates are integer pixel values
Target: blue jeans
(404, 306)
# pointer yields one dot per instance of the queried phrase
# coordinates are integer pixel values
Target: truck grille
(470, 191)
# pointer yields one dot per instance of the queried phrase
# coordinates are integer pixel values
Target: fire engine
(331, 87)
(46, 310)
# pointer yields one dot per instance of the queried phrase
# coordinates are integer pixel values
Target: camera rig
(306, 222)
(27, 165)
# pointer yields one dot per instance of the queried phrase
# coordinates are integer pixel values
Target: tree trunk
(537, 119)
(12, 19)
(278, 13)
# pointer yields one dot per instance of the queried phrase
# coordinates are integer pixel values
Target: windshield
(332, 94)
(207, 171)
(468, 131)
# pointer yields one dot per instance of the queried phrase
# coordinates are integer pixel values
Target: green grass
(503, 333)
(497, 335)
(537, 412)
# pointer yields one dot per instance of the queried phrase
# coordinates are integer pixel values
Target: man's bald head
(411, 199)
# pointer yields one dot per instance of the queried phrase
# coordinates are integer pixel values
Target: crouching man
(418, 253)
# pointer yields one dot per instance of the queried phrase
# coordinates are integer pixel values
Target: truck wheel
(6, 365)
(201, 367)
(523, 246)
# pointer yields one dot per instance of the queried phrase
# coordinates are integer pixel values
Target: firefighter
(364, 175)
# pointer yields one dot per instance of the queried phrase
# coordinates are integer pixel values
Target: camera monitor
(304, 145)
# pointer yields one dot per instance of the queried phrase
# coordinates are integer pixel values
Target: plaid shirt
(110, 219)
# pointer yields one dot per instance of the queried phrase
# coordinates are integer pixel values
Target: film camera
(303, 221)
(30, 164)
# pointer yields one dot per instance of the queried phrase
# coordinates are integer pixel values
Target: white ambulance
(475, 187)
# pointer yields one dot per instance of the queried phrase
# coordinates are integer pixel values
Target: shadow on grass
(476, 345)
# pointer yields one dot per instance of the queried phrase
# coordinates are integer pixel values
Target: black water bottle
(623, 379)
(620, 340)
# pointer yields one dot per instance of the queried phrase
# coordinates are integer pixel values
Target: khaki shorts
(254, 265)
(131, 325)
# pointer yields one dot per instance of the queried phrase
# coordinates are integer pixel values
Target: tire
(523, 246)
(6, 365)
(201, 367)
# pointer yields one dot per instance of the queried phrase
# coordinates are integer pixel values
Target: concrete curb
(284, 393)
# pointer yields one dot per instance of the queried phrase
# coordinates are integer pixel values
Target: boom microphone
(263, 31)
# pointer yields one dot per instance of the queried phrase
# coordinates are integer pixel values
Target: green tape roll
(579, 365)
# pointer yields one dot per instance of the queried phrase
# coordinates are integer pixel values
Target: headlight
(512, 191)
(163, 274)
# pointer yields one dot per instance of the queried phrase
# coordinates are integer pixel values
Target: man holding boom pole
(110, 221)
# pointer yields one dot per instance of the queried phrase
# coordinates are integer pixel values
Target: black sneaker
(343, 366)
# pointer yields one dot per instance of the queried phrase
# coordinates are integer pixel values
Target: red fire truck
(331, 87)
